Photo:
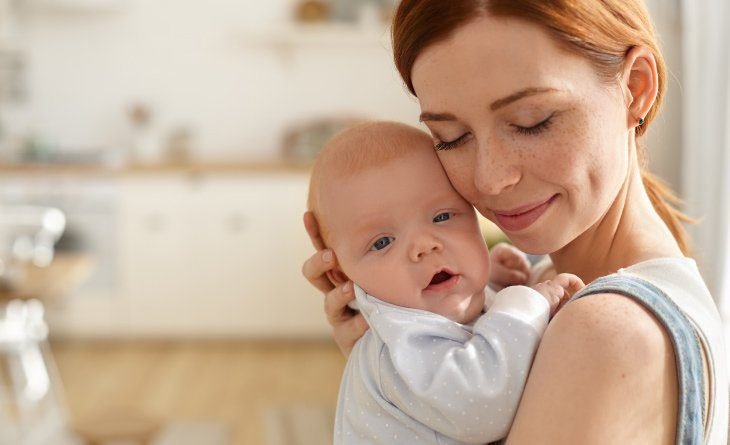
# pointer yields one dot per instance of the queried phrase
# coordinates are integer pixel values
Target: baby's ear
(337, 277)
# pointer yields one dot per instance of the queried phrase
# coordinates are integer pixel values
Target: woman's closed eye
(448, 145)
(538, 128)
(382, 242)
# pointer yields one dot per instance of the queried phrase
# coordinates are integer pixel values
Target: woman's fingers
(335, 304)
(348, 325)
(347, 333)
(315, 269)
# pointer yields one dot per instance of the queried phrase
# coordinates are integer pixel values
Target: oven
(90, 207)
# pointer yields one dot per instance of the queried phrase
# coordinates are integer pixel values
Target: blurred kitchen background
(153, 168)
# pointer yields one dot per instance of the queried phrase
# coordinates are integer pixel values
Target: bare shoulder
(607, 365)
(607, 328)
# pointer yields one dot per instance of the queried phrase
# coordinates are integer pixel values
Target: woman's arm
(604, 373)
(347, 325)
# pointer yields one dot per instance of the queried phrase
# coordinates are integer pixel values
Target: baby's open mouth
(440, 278)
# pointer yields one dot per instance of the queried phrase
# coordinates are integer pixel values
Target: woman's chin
(537, 244)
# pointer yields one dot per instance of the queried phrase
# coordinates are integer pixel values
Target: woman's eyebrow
(497, 104)
(527, 92)
(426, 116)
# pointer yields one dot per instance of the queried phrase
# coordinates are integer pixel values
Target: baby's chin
(466, 310)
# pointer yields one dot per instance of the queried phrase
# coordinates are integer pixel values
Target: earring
(639, 121)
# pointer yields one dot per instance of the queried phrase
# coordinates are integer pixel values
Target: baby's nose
(424, 245)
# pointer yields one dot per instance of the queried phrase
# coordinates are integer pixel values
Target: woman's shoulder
(603, 361)
(622, 324)
(608, 329)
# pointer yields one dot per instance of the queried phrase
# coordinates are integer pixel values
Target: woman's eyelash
(444, 145)
(537, 128)
(528, 131)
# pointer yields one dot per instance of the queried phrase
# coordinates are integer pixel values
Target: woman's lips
(522, 217)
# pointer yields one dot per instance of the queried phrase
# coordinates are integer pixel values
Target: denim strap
(687, 349)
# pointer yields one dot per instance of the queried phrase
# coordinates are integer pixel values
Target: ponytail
(664, 201)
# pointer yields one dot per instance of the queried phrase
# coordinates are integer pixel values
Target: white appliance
(89, 206)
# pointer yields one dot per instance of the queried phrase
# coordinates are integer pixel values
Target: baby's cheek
(480, 262)
(383, 279)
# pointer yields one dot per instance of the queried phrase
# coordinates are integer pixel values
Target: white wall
(664, 139)
(191, 61)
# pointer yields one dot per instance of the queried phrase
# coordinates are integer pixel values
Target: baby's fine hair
(358, 148)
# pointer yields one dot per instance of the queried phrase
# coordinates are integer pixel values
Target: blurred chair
(32, 410)
(32, 407)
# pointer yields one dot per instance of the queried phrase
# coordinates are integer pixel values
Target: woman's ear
(337, 277)
(640, 83)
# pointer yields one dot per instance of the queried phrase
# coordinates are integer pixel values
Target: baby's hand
(559, 290)
(509, 266)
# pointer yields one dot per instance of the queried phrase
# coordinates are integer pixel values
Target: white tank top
(680, 279)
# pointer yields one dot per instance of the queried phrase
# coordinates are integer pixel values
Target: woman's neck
(630, 232)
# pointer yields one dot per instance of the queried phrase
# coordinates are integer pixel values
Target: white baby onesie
(417, 377)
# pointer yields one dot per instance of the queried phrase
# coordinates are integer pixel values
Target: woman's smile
(522, 217)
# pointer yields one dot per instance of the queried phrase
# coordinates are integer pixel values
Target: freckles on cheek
(577, 142)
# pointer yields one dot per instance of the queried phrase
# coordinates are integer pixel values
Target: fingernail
(327, 256)
(346, 288)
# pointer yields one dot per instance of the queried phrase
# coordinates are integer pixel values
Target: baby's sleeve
(466, 386)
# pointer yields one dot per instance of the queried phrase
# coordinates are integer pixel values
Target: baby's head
(399, 229)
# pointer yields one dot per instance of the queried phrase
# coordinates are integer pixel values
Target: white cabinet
(211, 254)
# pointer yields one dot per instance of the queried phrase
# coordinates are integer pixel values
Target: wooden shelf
(77, 6)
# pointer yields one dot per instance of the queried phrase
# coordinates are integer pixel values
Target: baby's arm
(465, 386)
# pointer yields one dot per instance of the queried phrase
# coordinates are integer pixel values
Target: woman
(535, 108)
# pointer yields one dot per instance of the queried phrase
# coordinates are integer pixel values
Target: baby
(434, 367)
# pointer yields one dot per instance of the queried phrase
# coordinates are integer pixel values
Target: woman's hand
(347, 324)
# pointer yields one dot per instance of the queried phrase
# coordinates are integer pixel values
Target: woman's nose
(423, 245)
(495, 169)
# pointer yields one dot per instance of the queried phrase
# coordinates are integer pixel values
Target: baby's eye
(441, 217)
(382, 243)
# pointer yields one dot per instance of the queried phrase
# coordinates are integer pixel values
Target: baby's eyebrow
(364, 226)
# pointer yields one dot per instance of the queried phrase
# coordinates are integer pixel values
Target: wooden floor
(235, 382)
